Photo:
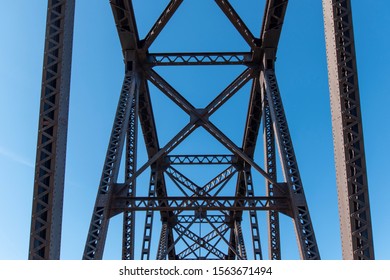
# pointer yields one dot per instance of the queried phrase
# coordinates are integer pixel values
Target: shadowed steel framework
(45, 236)
(205, 221)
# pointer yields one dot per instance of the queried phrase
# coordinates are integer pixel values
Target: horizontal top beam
(175, 203)
(201, 159)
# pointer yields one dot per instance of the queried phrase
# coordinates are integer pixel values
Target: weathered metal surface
(351, 174)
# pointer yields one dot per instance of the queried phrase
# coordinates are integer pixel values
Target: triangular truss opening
(199, 21)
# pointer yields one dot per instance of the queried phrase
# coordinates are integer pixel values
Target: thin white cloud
(15, 157)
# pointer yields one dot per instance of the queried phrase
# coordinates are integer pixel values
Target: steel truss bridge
(222, 205)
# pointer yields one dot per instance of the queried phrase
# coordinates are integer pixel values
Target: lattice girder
(351, 174)
(46, 222)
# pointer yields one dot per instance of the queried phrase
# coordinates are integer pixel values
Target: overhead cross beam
(238, 23)
(273, 20)
(200, 159)
(180, 203)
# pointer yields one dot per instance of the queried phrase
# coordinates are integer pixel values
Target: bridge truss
(199, 221)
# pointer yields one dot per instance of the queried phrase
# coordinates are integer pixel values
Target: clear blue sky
(96, 81)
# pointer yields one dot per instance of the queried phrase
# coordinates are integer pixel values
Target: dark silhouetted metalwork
(46, 223)
(208, 220)
(354, 204)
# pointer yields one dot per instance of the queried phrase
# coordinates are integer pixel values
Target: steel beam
(179, 178)
(132, 51)
(100, 218)
(199, 59)
(46, 221)
(252, 124)
(249, 142)
(241, 250)
(197, 116)
(221, 179)
(200, 117)
(200, 159)
(130, 168)
(161, 22)
(163, 243)
(273, 20)
(149, 216)
(169, 91)
(274, 248)
(215, 219)
(200, 243)
(124, 17)
(147, 122)
(182, 232)
(270, 33)
(304, 228)
(229, 91)
(352, 185)
(175, 203)
(253, 220)
(148, 126)
(229, 144)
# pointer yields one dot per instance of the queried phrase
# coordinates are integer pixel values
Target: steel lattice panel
(221, 215)
(45, 237)
(206, 221)
(354, 205)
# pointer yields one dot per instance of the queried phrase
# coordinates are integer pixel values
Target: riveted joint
(199, 116)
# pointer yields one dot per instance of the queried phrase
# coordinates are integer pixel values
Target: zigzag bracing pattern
(306, 238)
(350, 160)
(131, 166)
(270, 163)
(45, 237)
(101, 213)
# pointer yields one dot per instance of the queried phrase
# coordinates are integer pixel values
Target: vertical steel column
(255, 232)
(147, 238)
(97, 233)
(131, 166)
(270, 165)
(240, 240)
(46, 222)
(354, 206)
(300, 212)
(163, 244)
